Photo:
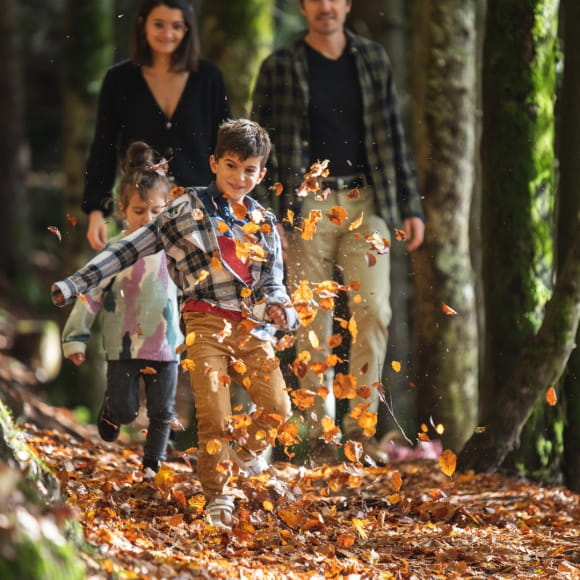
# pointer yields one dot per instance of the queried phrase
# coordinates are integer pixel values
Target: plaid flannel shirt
(280, 105)
(187, 230)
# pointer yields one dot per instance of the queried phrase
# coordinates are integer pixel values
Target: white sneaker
(218, 511)
(254, 466)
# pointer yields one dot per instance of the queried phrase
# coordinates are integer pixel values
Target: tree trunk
(237, 36)
(569, 219)
(518, 199)
(87, 53)
(446, 344)
(13, 152)
(539, 366)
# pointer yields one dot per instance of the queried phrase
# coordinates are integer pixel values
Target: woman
(166, 96)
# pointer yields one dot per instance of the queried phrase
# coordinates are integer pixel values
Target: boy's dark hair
(186, 55)
(243, 137)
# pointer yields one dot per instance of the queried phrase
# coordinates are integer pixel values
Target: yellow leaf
(396, 481)
(358, 526)
(213, 446)
(313, 339)
(448, 462)
(190, 338)
(356, 223)
(396, 366)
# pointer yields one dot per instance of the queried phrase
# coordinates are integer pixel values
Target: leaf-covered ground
(405, 521)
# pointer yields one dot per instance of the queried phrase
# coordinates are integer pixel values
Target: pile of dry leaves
(405, 521)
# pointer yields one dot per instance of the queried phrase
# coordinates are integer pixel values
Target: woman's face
(165, 28)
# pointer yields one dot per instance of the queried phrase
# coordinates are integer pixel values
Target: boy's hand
(277, 314)
(56, 295)
(78, 358)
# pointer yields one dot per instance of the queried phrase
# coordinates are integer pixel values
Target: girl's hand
(56, 295)
(78, 358)
(277, 314)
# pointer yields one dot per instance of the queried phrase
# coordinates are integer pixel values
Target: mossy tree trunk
(539, 365)
(237, 36)
(14, 220)
(87, 53)
(447, 345)
(569, 219)
(517, 205)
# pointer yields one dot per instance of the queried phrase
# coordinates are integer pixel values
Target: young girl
(140, 317)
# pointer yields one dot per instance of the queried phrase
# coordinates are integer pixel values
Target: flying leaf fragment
(54, 230)
(148, 371)
(177, 192)
(190, 338)
(213, 446)
(197, 214)
(72, 220)
(355, 224)
(551, 396)
(337, 215)
(353, 450)
(396, 366)
(396, 480)
(400, 235)
(313, 339)
(277, 188)
(448, 310)
(222, 227)
(353, 329)
(353, 194)
(448, 462)
(359, 527)
(371, 259)
(239, 210)
(188, 365)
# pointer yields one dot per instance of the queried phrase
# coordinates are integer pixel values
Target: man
(330, 96)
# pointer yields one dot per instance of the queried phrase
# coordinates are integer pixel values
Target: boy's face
(236, 178)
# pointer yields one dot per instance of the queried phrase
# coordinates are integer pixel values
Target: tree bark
(518, 202)
(14, 218)
(88, 52)
(447, 345)
(540, 365)
(569, 219)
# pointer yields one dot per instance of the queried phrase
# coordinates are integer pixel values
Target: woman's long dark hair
(186, 56)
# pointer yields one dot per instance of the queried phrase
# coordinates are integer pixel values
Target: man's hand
(415, 232)
(97, 231)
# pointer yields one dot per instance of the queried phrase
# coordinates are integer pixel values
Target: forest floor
(407, 521)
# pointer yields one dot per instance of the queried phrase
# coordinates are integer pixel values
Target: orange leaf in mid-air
(353, 450)
(277, 188)
(448, 310)
(239, 210)
(222, 227)
(400, 235)
(396, 481)
(352, 328)
(303, 398)
(72, 220)
(448, 462)
(396, 366)
(344, 386)
(353, 194)
(309, 224)
(337, 215)
(551, 396)
(187, 364)
(177, 191)
(148, 371)
(82, 298)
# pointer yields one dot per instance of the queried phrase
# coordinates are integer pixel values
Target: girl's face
(165, 29)
(138, 213)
